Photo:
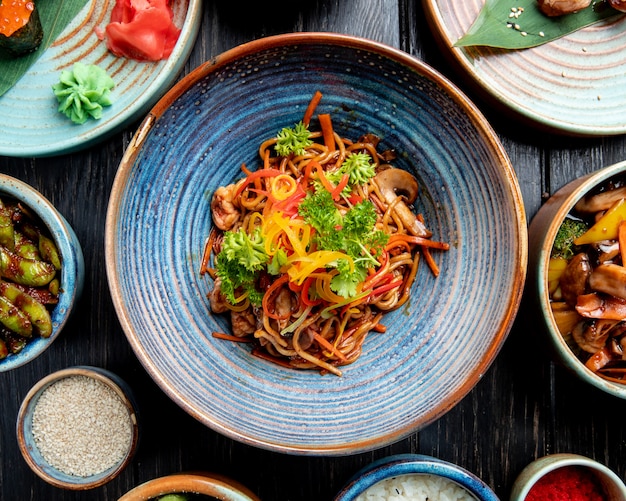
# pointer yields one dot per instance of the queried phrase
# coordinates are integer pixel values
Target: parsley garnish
(353, 233)
(238, 264)
(293, 140)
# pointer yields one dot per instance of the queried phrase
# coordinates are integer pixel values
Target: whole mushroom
(397, 185)
(618, 5)
(554, 8)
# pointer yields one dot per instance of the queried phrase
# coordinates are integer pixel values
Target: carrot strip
(425, 242)
(327, 131)
(379, 328)
(310, 109)
(257, 352)
(430, 261)
(621, 238)
(229, 337)
(387, 287)
(339, 188)
(256, 175)
(206, 255)
(323, 342)
(320, 172)
(279, 282)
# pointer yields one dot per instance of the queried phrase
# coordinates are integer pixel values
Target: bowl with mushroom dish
(577, 267)
(336, 249)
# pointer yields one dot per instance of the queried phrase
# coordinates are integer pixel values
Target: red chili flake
(570, 483)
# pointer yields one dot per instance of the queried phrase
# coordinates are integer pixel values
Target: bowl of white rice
(415, 477)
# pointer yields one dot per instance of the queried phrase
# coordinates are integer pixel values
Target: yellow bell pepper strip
(282, 187)
(605, 228)
(302, 266)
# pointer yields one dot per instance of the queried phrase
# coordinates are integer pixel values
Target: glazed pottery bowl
(70, 277)
(208, 484)
(78, 428)
(436, 347)
(542, 233)
(400, 471)
(614, 488)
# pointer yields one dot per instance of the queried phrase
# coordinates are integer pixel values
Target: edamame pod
(6, 228)
(14, 319)
(24, 271)
(49, 252)
(33, 309)
(4, 351)
(25, 247)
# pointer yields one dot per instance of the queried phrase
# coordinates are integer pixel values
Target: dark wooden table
(523, 408)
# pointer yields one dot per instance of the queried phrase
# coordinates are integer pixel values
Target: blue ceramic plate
(195, 139)
(575, 85)
(31, 126)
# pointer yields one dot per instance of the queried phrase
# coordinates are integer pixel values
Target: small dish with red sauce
(567, 477)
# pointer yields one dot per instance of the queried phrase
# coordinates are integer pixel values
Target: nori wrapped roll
(20, 27)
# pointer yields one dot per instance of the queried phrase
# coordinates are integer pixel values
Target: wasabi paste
(83, 91)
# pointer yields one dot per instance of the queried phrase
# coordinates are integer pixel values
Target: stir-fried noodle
(309, 251)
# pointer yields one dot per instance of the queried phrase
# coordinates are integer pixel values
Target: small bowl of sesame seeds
(77, 428)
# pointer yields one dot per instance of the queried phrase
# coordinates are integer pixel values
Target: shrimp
(243, 322)
(223, 209)
(217, 299)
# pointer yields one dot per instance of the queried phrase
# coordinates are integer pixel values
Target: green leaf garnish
(55, 16)
(293, 140)
(519, 24)
(353, 233)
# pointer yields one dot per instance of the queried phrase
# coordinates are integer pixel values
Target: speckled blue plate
(31, 126)
(575, 85)
(195, 139)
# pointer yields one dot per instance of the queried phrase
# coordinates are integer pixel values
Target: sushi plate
(575, 85)
(31, 126)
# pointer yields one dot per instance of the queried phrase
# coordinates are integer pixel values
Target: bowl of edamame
(41, 272)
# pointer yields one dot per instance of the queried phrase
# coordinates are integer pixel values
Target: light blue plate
(575, 85)
(31, 126)
(435, 349)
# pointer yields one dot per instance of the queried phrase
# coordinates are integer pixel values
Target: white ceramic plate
(575, 85)
(30, 124)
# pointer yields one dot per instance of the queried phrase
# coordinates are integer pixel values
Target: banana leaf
(498, 25)
(55, 15)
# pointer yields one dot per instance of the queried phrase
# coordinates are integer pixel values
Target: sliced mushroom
(601, 201)
(394, 183)
(618, 5)
(560, 7)
(596, 306)
(610, 279)
(573, 281)
(592, 336)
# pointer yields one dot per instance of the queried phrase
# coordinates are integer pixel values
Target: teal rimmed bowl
(436, 348)
(72, 275)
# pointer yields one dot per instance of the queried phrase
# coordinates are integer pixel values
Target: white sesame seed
(523, 33)
(517, 27)
(81, 427)
(542, 34)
